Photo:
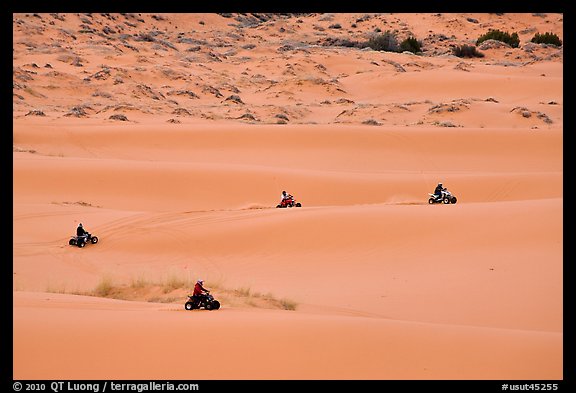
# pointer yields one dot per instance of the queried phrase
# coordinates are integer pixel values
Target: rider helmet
(200, 282)
(80, 225)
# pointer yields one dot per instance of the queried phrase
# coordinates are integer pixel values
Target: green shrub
(411, 44)
(510, 39)
(546, 38)
(466, 51)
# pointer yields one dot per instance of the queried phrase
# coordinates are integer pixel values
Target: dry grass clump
(80, 203)
(175, 289)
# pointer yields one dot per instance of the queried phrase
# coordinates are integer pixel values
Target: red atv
(289, 201)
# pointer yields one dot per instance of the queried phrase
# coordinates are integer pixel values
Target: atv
(205, 301)
(289, 201)
(81, 241)
(446, 198)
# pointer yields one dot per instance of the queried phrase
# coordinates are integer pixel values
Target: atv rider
(285, 196)
(199, 292)
(438, 191)
(80, 231)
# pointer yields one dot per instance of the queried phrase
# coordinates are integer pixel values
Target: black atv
(205, 301)
(81, 241)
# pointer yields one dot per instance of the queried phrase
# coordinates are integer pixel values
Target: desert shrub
(371, 122)
(330, 41)
(118, 117)
(140, 282)
(35, 112)
(287, 304)
(466, 51)
(546, 38)
(105, 288)
(384, 42)
(411, 44)
(498, 35)
(175, 282)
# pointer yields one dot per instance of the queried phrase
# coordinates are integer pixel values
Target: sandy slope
(384, 285)
(129, 341)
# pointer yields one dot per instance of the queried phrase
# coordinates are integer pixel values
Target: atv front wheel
(453, 200)
(72, 242)
(215, 305)
(81, 244)
(94, 240)
(298, 204)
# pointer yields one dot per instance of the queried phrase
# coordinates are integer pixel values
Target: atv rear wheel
(431, 201)
(81, 243)
(277, 206)
(189, 306)
(446, 201)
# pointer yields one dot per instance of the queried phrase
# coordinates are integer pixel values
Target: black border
(352, 6)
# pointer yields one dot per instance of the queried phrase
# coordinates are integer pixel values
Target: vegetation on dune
(411, 44)
(546, 38)
(494, 34)
(466, 51)
(384, 42)
(387, 41)
(175, 289)
(166, 69)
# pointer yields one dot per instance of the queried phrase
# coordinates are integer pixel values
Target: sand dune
(312, 348)
(215, 116)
